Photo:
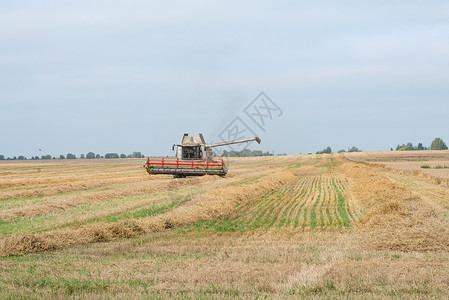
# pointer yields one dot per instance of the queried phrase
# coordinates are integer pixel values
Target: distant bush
(111, 155)
(406, 147)
(2, 157)
(411, 147)
(438, 144)
(354, 149)
(327, 150)
(70, 156)
(90, 155)
(425, 167)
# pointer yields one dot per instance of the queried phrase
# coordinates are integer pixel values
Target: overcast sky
(123, 76)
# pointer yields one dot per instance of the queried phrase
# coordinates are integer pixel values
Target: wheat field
(354, 225)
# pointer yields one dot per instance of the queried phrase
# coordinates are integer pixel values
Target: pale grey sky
(123, 76)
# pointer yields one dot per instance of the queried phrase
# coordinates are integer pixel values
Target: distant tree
(327, 150)
(21, 157)
(102, 156)
(48, 156)
(354, 149)
(122, 155)
(82, 156)
(90, 155)
(137, 155)
(2, 157)
(342, 151)
(243, 153)
(97, 156)
(257, 153)
(420, 147)
(111, 155)
(70, 156)
(391, 149)
(61, 156)
(14, 158)
(406, 147)
(438, 144)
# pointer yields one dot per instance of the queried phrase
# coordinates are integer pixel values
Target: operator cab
(191, 152)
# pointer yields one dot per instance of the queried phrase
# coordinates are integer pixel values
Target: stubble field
(276, 227)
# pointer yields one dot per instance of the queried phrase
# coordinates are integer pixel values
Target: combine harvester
(193, 158)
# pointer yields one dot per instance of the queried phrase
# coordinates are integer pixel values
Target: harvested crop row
(69, 187)
(396, 219)
(213, 204)
(45, 181)
(65, 202)
(98, 211)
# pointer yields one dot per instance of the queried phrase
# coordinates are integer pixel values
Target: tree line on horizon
(328, 150)
(244, 153)
(437, 144)
(89, 155)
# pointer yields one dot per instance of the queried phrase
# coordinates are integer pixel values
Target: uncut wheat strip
(211, 205)
(53, 205)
